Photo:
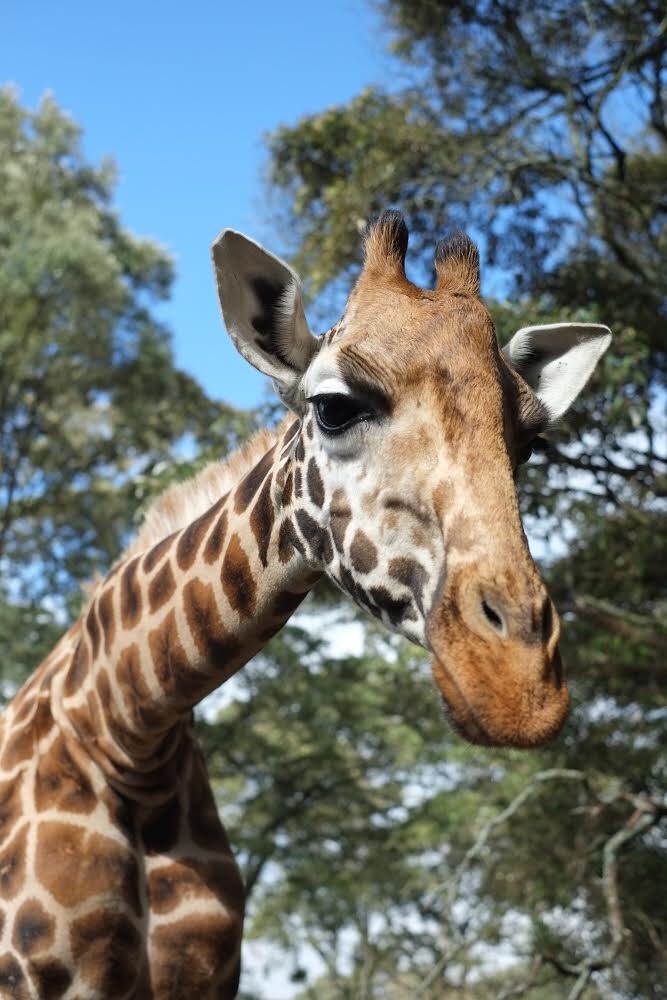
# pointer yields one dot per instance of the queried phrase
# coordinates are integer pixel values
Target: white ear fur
(262, 307)
(557, 360)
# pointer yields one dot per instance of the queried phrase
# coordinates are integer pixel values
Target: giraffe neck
(171, 623)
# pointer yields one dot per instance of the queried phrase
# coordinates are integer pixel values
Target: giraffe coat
(394, 476)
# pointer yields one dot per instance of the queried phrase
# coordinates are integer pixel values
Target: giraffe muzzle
(497, 664)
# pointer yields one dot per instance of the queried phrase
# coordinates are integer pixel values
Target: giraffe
(394, 474)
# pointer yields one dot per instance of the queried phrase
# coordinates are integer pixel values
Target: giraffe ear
(262, 307)
(557, 360)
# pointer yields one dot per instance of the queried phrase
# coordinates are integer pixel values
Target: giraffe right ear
(262, 307)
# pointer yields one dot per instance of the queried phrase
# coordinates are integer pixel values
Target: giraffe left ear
(262, 307)
(557, 360)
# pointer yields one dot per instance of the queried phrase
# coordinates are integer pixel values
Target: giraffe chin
(530, 719)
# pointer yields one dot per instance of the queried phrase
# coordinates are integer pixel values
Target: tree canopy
(410, 864)
(91, 404)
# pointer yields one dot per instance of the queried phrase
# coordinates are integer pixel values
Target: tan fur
(384, 249)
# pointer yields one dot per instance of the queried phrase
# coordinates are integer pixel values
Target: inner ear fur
(262, 307)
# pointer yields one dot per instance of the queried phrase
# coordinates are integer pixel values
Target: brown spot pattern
(189, 952)
(290, 433)
(10, 806)
(21, 742)
(154, 555)
(130, 595)
(286, 603)
(60, 784)
(363, 553)
(93, 628)
(249, 485)
(120, 811)
(19, 747)
(351, 586)
(461, 533)
(215, 541)
(134, 690)
(206, 829)
(340, 516)
(287, 490)
(12, 978)
(213, 641)
(287, 541)
(238, 582)
(26, 709)
(80, 719)
(106, 947)
(161, 587)
(317, 539)
(103, 686)
(12, 864)
(77, 670)
(192, 536)
(411, 574)
(34, 929)
(74, 865)
(261, 521)
(106, 616)
(51, 978)
(170, 662)
(396, 609)
(315, 484)
(187, 878)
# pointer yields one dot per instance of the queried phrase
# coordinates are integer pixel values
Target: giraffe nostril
(493, 617)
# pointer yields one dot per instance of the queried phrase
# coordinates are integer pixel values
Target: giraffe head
(411, 425)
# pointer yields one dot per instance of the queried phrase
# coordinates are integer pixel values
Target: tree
(545, 134)
(91, 404)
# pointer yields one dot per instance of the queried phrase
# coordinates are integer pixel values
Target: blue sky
(181, 95)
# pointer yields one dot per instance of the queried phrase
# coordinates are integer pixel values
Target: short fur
(117, 877)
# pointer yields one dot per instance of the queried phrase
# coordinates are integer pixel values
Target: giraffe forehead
(393, 340)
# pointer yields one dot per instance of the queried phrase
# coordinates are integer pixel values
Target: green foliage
(411, 864)
(91, 404)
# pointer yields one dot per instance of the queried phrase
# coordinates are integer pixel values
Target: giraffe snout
(497, 663)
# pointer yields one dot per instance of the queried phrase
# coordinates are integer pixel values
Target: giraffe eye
(336, 412)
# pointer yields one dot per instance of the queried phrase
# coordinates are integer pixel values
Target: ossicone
(386, 243)
(457, 265)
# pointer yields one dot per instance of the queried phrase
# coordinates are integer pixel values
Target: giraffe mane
(183, 502)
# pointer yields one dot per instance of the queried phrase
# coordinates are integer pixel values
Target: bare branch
(647, 812)
(640, 628)
(450, 887)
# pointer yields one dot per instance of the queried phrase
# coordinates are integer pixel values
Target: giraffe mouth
(459, 711)
(484, 717)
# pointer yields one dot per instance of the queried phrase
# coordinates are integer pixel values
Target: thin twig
(450, 887)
